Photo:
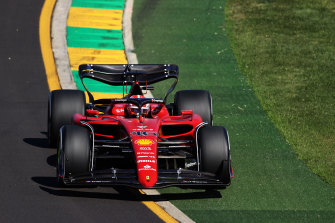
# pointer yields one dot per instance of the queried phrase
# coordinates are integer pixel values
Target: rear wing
(128, 74)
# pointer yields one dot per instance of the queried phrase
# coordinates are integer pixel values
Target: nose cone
(147, 178)
(145, 149)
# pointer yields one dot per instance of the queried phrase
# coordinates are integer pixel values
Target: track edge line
(59, 44)
(45, 45)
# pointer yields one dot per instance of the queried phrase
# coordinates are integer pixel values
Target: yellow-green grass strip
(99, 4)
(95, 18)
(95, 56)
(94, 37)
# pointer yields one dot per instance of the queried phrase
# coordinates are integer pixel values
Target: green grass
(271, 184)
(287, 51)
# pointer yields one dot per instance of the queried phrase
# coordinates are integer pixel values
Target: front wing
(166, 178)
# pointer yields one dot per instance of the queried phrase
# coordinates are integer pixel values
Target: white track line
(128, 36)
(167, 206)
(127, 32)
(59, 44)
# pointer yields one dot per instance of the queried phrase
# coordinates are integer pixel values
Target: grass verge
(286, 50)
(271, 184)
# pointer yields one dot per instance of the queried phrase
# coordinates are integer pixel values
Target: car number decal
(143, 133)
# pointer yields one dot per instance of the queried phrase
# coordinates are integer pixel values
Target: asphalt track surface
(28, 188)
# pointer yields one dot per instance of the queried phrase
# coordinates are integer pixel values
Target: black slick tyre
(214, 152)
(62, 105)
(73, 152)
(199, 101)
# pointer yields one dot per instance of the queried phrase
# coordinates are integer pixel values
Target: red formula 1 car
(137, 141)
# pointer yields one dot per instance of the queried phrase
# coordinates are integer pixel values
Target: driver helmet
(134, 110)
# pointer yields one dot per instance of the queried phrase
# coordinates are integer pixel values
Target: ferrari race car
(137, 141)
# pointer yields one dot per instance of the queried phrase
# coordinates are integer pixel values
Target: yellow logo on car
(144, 142)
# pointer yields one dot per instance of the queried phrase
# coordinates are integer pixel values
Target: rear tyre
(73, 152)
(62, 105)
(214, 152)
(199, 101)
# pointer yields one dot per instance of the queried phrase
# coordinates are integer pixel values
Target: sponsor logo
(141, 127)
(151, 169)
(144, 142)
(100, 181)
(147, 166)
(142, 156)
(146, 161)
(141, 133)
(145, 153)
(145, 148)
(152, 157)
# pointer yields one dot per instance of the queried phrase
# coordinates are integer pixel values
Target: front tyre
(73, 152)
(214, 152)
(62, 105)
